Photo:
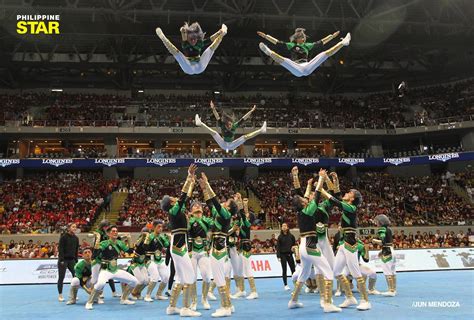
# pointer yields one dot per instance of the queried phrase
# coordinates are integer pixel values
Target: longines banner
(234, 162)
(263, 265)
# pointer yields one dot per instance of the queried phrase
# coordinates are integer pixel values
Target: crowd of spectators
(420, 106)
(427, 200)
(414, 201)
(45, 203)
(143, 202)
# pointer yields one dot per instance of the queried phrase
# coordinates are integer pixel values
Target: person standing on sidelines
(67, 259)
(285, 243)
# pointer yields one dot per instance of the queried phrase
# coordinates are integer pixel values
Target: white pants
(325, 247)
(228, 145)
(183, 266)
(365, 270)
(305, 68)
(218, 270)
(296, 274)
(247, 266)
(346, 258)
(388, 267)
(95, 269)
(236, 262)
(298, 270)
(158, 271)
(122, 276)
(227, 268)
(141, 273)
(201, 260)
(195, 67)
(307, 262)
(76, 283)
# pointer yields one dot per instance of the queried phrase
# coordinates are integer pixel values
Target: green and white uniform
(137, 266)
(109, 252)
(83, 273)
(155, 259)
(220, 226)
(199, 246)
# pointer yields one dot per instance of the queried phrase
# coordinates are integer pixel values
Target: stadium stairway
(255, 207)
(460, 191)
(118, 198)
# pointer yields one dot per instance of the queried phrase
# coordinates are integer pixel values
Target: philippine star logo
(257, 161)
(396, 161)
(444, 157)
(109, 162)
(351, 161)
(209, 162)
(305, 161)
(57, 162)
(37, 23)
(161, 162)
(8, 162)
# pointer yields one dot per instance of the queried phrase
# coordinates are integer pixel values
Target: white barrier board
(264, 265)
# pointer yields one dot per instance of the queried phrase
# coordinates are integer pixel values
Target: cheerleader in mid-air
(228, 126)
(193, 43)
(298, 65)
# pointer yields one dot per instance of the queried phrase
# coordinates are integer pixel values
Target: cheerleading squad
(317, 266)
(219, 246)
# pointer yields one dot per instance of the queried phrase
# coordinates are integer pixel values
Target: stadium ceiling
(112, 43)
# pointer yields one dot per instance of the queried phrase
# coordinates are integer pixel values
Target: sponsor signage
(263, 265)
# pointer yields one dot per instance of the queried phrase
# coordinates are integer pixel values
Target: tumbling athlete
(298, 65)
(228, 126)
(193, 43)
(176, 209)
(386, 255)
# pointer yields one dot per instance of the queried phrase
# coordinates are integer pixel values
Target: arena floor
(414, 288)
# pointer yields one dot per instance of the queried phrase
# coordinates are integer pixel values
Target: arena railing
(316, 124)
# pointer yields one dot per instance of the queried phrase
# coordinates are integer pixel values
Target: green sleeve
(326, 203)
(78, 268)
(209, 221)
(175, 209)
(322, 207)
(235, 125)
(382, 232)
(224, 213)
(310, 208)
(309, 45)
(290, 45)
(104, 244)
(122, 245)
(164, 240)
(247, 222)
(349, 208)
(361, 249)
